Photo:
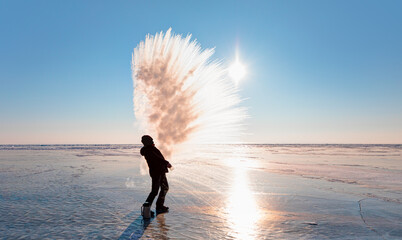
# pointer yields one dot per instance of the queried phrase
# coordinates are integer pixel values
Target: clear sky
(318, 71)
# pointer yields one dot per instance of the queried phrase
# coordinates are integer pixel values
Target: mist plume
(180, 95)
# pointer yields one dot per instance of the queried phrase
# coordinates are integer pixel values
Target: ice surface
(216, 192)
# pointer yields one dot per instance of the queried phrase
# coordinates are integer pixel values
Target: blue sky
(318, 71)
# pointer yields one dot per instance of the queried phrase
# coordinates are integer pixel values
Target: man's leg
(164, 189)
(155, 188)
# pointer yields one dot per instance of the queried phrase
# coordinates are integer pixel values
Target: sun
(237, 71)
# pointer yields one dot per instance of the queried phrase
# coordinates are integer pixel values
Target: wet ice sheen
(216, 192)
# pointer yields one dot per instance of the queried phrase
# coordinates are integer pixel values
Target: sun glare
(237, 71)
(242, 207)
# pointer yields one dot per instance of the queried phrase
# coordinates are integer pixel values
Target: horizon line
(248, 143)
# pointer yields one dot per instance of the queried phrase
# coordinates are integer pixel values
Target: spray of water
(180, 95)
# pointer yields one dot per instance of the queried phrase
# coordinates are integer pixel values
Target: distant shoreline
(134, 146)
(105, 144)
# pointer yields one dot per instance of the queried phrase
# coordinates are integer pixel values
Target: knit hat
(147, 140)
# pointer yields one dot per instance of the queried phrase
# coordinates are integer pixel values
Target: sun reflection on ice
(242, 209)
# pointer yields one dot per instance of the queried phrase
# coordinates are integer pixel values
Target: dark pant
(158, 180)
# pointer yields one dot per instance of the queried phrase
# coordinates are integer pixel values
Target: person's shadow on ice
(137, 228)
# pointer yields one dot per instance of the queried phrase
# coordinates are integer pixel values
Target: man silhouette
(158, 167)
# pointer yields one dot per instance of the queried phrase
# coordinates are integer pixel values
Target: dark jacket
(156, 162)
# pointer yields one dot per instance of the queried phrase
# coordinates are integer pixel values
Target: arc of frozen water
(180, 95)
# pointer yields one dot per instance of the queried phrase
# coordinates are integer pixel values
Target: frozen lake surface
(216, 192)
